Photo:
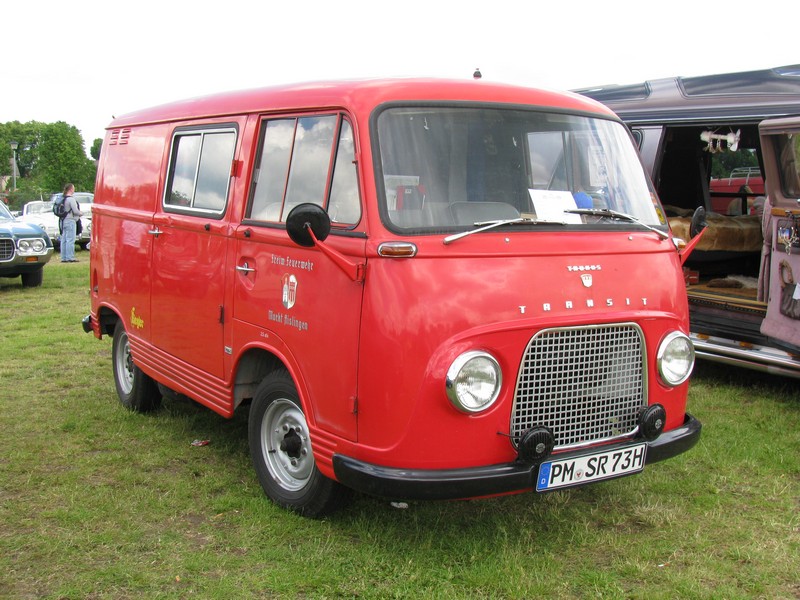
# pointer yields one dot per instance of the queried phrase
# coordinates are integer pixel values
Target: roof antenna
(477, 74)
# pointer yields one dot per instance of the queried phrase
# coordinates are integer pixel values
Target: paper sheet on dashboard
(551, 204)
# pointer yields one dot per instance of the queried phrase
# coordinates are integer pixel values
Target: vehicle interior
(730, 248)
(450, 168)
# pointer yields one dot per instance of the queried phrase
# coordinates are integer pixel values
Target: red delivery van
(419, 289)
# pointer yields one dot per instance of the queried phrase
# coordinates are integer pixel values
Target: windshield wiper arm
(486, 225)
(607, 212)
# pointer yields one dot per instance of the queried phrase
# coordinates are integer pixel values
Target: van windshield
(448, 168)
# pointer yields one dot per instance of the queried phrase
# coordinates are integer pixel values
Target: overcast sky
(85, 61)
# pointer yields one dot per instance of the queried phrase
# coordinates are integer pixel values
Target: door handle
(244, 269)
(156, 232)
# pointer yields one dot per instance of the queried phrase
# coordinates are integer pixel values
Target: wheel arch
(251, 369)
(255, 363)
(107, 317)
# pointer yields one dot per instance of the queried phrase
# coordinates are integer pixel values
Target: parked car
(682, 125)
(40, 213)
(24, 249)
(85, 201)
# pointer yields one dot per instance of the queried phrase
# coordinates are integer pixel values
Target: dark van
(699, 138)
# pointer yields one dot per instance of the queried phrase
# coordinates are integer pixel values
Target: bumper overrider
(451, 484)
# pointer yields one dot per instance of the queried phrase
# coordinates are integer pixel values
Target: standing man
(73, 215)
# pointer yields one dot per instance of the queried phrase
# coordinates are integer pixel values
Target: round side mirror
(305, 216)
(698, 221)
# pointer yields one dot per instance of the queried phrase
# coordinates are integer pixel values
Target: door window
(305, 159)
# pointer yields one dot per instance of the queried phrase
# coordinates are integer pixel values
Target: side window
(344, 205)
(547, 155)
(788, 153)
(305, 159)
(200, 167)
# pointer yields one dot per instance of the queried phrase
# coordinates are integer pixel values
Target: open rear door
(780, 272)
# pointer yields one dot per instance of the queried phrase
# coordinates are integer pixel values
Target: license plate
(584, 469)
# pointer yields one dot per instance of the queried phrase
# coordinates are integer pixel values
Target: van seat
(467, 213)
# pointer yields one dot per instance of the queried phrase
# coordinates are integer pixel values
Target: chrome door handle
(156, 232)
(245, 269)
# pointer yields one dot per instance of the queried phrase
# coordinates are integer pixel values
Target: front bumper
(24, 264)
(451, 484)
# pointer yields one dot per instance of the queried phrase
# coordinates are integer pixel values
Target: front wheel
(136, 391)
(280, 446)
(33, 279)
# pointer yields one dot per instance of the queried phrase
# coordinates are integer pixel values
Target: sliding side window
(305, 159)
(200, 170)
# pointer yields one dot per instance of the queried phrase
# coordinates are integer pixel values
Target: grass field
(97, 502)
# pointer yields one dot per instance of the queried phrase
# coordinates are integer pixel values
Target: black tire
(33, 279)
(136, 391)
(281, 450)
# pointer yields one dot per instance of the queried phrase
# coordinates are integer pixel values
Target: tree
(49, 155)
(62, 159)
(97, 145)
(722, 164)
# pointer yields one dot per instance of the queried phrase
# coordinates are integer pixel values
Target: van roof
(747, 96)
(357, 95)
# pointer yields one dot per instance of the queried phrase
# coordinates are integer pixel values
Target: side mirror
(304, 217)
(699, 222)
(696, 229)
(308, 225)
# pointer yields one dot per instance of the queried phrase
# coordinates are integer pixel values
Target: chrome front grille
(586, 384)
(6, 249)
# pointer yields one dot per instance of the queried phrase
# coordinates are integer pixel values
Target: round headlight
(473, 381)
(24, 245)
(37, 245)
(675, 358)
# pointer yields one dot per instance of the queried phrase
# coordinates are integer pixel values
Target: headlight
(473, 381)
(675, 358)
(31, 246)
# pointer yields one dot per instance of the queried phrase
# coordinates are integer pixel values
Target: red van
(421, 289)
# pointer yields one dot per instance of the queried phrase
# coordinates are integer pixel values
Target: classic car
(85, 201)
(24, 249)
(41, 213)
(683, 126)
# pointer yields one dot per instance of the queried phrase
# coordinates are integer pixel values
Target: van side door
(780, 273)
(294, 299)
(190, 248)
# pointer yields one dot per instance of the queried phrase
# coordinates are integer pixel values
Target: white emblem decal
(586, 278)
(289, 290)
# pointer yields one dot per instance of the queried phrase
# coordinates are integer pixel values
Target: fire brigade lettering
(288, 261)
(287, 320)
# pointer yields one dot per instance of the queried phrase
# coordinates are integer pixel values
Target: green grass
(97, 502)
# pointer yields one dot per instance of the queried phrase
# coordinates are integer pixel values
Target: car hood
(20, 228)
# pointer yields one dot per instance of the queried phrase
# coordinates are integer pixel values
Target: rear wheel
(280, 446)
(136, 391)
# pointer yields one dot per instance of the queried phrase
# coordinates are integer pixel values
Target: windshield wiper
(486, 225)
(613, 214)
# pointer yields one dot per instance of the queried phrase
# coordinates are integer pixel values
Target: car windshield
(38, 208)
(445, 168)
(5, 215)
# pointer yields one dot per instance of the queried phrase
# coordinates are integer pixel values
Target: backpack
(59, 208)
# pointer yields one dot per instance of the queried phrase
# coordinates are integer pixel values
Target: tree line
(48, 156)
